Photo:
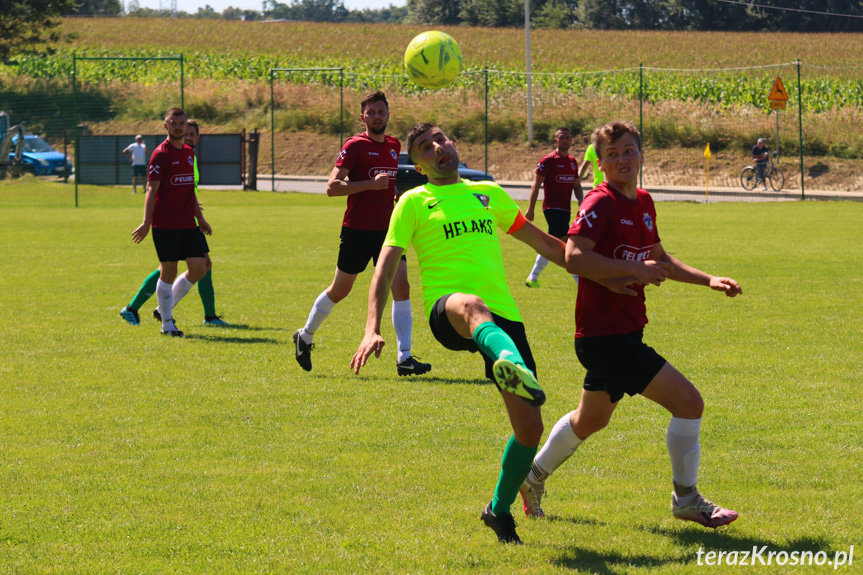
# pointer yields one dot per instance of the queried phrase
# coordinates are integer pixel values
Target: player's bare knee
(338, 294)
(472, 306)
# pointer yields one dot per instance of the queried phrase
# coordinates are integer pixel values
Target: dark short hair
(612, 132)
(415, 133)
(562, 129)
(175, 111)
(373, 97)
(194, 124)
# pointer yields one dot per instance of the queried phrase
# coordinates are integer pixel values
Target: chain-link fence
(76, 128)
(305, 115)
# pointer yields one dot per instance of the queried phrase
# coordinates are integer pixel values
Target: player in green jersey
(205, 284)
(592, 161)
(453, 226)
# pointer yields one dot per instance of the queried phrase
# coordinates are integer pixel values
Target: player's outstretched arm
(139, 233)
(385, 271)
(545, 245)
(688, 274)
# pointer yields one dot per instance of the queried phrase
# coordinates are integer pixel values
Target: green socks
(148, 288)
(493, 342)
(515, 466)
(205, 289)
(208, 294)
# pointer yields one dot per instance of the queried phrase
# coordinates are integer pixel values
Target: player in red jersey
(170, 208)
(615, 235)
(557, 173)
(365, 172)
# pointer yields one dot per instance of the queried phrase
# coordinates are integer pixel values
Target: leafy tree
(207, 12)
(309, 10)
(435, 12)
(555, 14)
(97, 8)
(494, 13)
(30, 26)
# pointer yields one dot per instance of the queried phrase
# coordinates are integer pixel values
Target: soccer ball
(433, 60)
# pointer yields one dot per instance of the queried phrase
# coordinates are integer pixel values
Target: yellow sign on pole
(707, 181)
(778, 93)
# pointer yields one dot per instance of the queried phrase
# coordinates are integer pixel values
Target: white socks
(180, 288)
(320, 310)
(682, 441)
(403, 323)
(538, 266)
(165, 296)
(560, 445)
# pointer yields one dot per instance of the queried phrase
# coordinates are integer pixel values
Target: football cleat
(702, 511)
(303, 351)
(156, 315)
(411, 366)
(531, 495)
(503, 525)
(130, 315)
(531, 283)
(215, 320)
(518, 380)
(172, 330)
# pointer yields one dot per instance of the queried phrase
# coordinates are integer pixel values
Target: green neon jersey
(195, 166)
(454, 232)
(590, 156)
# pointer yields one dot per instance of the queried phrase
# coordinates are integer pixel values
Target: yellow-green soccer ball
(433, 60)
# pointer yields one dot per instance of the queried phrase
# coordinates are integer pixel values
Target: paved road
(521, 191)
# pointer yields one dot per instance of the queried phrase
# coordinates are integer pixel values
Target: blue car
(39, 158)
(408, 177)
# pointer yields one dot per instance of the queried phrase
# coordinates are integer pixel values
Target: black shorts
(618, 364)
(445, 333)
(558, 222)
(204, 239)
(358, 247)
(178, 245)
(139, 171)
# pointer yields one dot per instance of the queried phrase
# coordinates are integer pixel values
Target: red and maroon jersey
(561, 173)
(364, 159)
(622, 229)
(175, 199)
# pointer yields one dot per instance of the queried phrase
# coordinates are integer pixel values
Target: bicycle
(749, 176)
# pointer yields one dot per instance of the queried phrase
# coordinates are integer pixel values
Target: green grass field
(128, 452)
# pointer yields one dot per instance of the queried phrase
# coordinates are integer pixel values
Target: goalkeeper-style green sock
(148, 288)
(208, 294)
(493, 342)
(515, 466)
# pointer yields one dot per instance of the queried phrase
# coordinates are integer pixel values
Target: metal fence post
(800, 128)
(272, 136)
(485, 73)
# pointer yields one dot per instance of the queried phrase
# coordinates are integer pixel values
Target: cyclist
(761, 155)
